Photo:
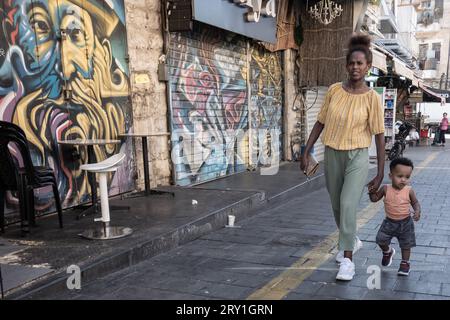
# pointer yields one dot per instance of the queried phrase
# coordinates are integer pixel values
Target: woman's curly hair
(360, 43)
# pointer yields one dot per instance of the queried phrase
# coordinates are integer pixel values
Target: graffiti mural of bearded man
(62, 79)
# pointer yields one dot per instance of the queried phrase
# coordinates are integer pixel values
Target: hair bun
(359, 41)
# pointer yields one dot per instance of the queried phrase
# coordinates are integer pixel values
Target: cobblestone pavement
(287, 252)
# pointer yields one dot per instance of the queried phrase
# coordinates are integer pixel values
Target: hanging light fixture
(326, 12)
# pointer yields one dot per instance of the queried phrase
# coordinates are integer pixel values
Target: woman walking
(350, 116)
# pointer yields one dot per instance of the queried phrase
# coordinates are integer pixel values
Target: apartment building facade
(433, 39)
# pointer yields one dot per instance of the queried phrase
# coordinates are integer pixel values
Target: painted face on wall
(63, 81)
(78, 43)
(29, 27)
(57, 41)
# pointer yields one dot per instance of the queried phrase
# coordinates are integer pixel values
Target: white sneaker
(340, 254)
(346, 270)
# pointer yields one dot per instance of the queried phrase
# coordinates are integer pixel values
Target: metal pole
(448, 62)
(251, 132)
(166, 51)
(91, 177)
(146, 169)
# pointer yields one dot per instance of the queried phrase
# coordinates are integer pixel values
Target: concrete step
(147, 243)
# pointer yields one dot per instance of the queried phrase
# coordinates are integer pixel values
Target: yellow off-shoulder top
(349, 119)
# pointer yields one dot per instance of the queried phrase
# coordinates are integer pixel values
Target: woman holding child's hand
(350, 116)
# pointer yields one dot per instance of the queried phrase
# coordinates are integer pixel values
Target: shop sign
(256, 8)
(252, 18)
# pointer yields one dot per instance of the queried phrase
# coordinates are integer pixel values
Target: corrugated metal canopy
(402, 70)
(379, 60)
(437, 94)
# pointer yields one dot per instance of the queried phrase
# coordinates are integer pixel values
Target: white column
(104, 196)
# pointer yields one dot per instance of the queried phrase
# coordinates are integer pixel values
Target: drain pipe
(164, 75)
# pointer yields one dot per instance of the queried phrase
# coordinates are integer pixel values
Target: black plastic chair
(23, 180)
(10, 180)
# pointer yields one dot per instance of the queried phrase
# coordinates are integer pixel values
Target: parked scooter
(400, 140)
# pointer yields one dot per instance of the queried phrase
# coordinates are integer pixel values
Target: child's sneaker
(387, 258)
(404, 269)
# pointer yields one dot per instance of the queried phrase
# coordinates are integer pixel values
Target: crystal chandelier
(326, 12)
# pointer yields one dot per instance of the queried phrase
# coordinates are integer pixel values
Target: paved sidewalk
(430, 273)
(37, 264)
(287, 252)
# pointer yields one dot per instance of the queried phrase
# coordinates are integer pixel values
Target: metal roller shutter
(214, 77)
(266, 105)
(209, 109)
(314, 101)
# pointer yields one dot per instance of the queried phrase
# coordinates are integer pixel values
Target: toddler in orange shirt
(398, 198)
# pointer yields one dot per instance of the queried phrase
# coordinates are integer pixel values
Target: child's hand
(416, 216)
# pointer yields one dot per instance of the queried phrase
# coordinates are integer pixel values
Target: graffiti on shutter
(63, 75)
(266, 105)
(209, 111)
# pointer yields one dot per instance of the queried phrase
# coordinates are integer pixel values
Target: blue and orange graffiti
(63, 75)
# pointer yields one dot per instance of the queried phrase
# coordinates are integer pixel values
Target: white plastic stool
(102, 169)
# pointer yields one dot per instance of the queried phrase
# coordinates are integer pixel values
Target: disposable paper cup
(231, 219)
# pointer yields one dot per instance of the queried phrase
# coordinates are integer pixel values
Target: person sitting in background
(414, 136)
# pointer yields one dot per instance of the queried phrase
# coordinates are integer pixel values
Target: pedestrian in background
(398, 198)
(414, 136)
(350, 116)
(443, 127)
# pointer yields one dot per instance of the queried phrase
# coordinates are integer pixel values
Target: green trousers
(346, 176)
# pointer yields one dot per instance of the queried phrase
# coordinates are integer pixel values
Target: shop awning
(379, 60)
(402, 70)
(439, 95)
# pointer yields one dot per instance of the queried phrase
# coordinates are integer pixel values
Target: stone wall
(291, 117)
(150, 108)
